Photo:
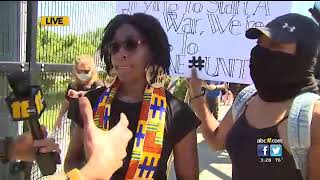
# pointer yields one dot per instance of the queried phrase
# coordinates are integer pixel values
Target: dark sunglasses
(129, 45)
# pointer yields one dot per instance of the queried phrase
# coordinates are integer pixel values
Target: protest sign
(209, 35)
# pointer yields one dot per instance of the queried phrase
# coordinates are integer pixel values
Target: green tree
(52, 47)
(55, 48)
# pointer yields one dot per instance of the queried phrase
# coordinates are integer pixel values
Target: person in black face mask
(272, 129)
(280, 71)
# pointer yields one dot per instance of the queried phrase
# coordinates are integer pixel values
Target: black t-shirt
(73, 110)
(180, 120)
(241, 144)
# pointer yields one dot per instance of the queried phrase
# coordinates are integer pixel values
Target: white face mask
(84, 77)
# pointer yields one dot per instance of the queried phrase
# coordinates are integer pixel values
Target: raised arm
(214, 132)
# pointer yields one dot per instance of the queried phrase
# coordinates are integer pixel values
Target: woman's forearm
(200, 107)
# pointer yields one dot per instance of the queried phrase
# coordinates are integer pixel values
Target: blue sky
(302, 7)
(103, 11)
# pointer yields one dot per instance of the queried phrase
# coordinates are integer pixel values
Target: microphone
(26, 103)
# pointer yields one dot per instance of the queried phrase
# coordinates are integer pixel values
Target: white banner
(209, 34)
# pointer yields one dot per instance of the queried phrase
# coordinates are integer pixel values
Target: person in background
(213, 93)
(235, 88)
(84, 78)
(227, 98)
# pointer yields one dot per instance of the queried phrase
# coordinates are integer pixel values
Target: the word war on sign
(233, 17)
(55, 21)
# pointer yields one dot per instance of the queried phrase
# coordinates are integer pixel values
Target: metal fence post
(31, 43)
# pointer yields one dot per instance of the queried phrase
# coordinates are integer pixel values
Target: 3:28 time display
(265, 160)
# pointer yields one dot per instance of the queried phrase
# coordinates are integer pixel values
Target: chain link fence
(60, 45)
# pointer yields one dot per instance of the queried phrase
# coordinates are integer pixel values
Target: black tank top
(241, 144)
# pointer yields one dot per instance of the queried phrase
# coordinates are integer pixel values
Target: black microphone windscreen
(19, 83)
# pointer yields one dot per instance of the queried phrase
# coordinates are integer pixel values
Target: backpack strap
(299, 122)
(241, 100)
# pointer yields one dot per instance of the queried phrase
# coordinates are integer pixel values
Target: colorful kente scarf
(149, 134)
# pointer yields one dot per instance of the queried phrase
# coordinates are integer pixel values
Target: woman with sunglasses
(136, 51)
(84, 78)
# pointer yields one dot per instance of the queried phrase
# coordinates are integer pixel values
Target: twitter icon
(275, 150)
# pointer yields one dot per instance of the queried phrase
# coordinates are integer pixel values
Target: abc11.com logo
(269, 147)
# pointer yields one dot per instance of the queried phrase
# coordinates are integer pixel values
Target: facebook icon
(263, 150)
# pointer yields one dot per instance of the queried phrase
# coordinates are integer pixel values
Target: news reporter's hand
(24, 147)
(104, 149)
